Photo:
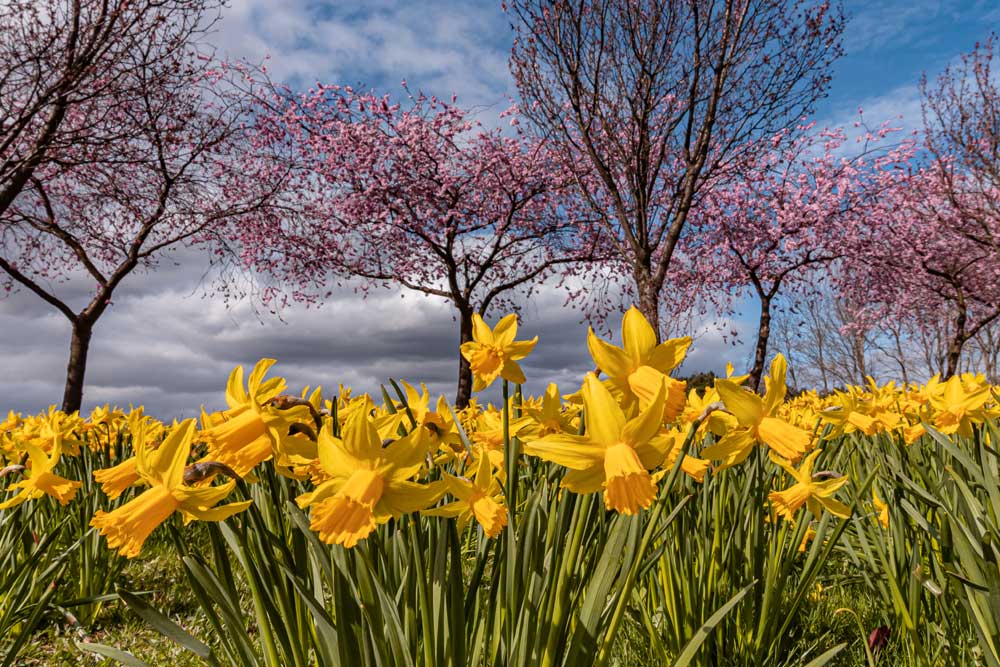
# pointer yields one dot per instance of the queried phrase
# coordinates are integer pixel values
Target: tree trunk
(649, 301)
(957, 341)
(78, 346)
(862, 360)
(763, 334)
(464, 370)
(900, 356)
(954, 353)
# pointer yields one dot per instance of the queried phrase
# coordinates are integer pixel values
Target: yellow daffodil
(958, 408)
(548, 418)
(127, 527)
(39, 480)
(636, 370)
(913, 433)
(615, 455)
(809, 536)
(105, 418)
(814, 495)
(116, 479)
(494, 353)
(757, 422)
(55, 426)
(368, 484)
(847, 416)
(440, 425)
(481, 497)
(252, 430)
(718, 422)
(487, 433)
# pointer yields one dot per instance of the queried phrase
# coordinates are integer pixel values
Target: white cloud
(441, 47)
(876, 24)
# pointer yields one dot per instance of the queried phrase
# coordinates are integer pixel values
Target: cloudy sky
(167, 344)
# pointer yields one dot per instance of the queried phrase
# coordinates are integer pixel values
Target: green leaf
(124, 657)
(164, 625)
(691, 648)
(821, 660)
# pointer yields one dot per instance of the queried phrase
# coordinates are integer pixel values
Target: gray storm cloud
(167, 345)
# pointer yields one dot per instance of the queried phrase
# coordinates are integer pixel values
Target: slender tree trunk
(649, 300)
(763, 334)
(955, 349)
(860, 361)
(900, 356)
(78, 346)
(991, 351)
(956, 343)
(464, 370)
(954, 354)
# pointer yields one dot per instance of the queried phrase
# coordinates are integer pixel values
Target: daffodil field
(628, 520)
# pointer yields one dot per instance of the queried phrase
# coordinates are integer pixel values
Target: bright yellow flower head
(252, 430)
(805, 491)
(847, 416)
(614, 455)
(549, 418)
(105, 417)
(127, 527)
(718, 422)
(691, 466)
(636, 370)
(959, 408)
(39, 480)
(440, 425)
(494, 353)
(482, 498)
(368, 484)
(487, 433)
(757, 422)
(116, 479)
(47, 429)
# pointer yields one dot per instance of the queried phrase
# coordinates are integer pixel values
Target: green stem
(758, 537)
(263, 623)
(510, 458)
(560, 609)
(647, 537)
(425, 611)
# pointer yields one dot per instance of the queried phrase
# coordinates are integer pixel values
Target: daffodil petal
(571, 451)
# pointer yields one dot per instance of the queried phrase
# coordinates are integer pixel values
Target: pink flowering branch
(416, 194)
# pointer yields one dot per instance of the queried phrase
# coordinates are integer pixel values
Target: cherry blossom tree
(922, 265)
(68, 66)
(417, 195)
(961, 113)
(153, 154)
(649, 102)
(793, 212)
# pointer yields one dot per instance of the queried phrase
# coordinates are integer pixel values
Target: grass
(158, 573)
(831, 620)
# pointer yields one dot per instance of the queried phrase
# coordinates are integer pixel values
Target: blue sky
(440, 46)
(890, 43)
(447, 46)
